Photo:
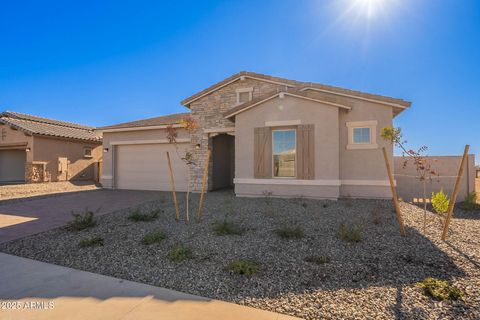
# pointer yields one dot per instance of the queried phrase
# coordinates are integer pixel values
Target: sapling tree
(189, 124)
(419, 158)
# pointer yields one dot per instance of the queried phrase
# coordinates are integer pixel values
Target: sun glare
(368, 8)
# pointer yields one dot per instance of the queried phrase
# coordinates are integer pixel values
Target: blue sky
(104, 62)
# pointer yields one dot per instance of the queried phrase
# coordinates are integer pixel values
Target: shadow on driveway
(23, 218)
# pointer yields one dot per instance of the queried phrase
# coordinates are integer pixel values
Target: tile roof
(296, 84)
(47, 127)
(157, 121)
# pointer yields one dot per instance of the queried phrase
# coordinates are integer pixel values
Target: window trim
(87, 155)
(244, 90)
(372, 125)
(273, 154)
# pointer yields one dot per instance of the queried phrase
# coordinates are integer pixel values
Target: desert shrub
(82, 221)
(349, 233)
(470, 202)
(318, 259)
(91, 242)
(180, 253)
(440, 202)
(287, 232)
(244, 267)
(225, 227)
(153, 237)
(439, 289)
(137, 215)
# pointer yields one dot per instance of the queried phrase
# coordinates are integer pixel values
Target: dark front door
(223, 161)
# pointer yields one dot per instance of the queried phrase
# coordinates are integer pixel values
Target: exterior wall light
(197, 146)
(27, 149)
(105, 150)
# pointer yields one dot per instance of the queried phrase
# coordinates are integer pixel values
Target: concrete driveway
(23, 218)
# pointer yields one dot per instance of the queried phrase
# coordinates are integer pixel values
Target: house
(267, 135)
(35, 149)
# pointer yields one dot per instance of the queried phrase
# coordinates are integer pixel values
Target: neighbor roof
(294, 84)
(157, 121)
(47, 127)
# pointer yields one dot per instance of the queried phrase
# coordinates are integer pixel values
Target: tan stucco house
(35, 149)
(267, 135)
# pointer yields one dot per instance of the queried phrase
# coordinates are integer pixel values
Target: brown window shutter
(262, 153)
(305, 152)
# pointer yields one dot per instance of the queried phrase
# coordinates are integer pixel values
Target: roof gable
(272, 95)
(174, 118)
(299, 85)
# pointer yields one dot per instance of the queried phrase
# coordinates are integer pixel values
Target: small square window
(361, 135)
(87, 152)
(244, 95)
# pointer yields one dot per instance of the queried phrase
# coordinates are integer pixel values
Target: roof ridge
(30, 117)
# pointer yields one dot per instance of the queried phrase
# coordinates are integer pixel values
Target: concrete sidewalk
(45, 291)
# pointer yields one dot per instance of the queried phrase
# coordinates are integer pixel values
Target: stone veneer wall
(208, 113)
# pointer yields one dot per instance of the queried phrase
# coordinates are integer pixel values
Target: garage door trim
(158, 141)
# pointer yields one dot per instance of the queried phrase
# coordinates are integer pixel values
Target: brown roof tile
(47, 127)
(157, 121)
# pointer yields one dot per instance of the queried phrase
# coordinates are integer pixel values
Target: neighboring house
(34, 149)
(477, 170)
(268, 135)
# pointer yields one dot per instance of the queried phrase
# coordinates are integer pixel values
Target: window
(284, 153)
(362, 135)
(87, 152)
(244, 95)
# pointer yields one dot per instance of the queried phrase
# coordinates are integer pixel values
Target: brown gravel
(20, 191)
(373, 279)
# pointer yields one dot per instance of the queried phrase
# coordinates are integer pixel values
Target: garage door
(12, 165)
(145, 167)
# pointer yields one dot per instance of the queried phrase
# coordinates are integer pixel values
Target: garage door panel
(145, 167)
(12, 165)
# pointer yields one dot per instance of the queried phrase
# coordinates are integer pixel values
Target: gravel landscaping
(19, 191)
(312, 259)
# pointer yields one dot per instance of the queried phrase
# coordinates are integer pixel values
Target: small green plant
(349, 233)
(244, 267)
(137, 215)
(440, 202)
(153, 237)
(318, 259)
(180, 253)
(91, 242)
(287, 232)
(470, 202)
(440, 289)
(225, 227)
(82, 221)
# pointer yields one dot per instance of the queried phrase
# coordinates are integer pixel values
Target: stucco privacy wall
(208, 113)
(128, 137)
(325, 119)
(80, 168)
(409, 187)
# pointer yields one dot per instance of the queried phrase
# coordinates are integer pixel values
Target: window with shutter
(306, 152)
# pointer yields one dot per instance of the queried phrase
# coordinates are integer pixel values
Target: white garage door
(12, 165)
(145, 167)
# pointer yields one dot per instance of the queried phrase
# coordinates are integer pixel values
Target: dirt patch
(20, 191)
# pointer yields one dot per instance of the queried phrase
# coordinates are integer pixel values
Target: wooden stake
(394, 193)
(172, 181)
(456, 189)
(204, 183)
